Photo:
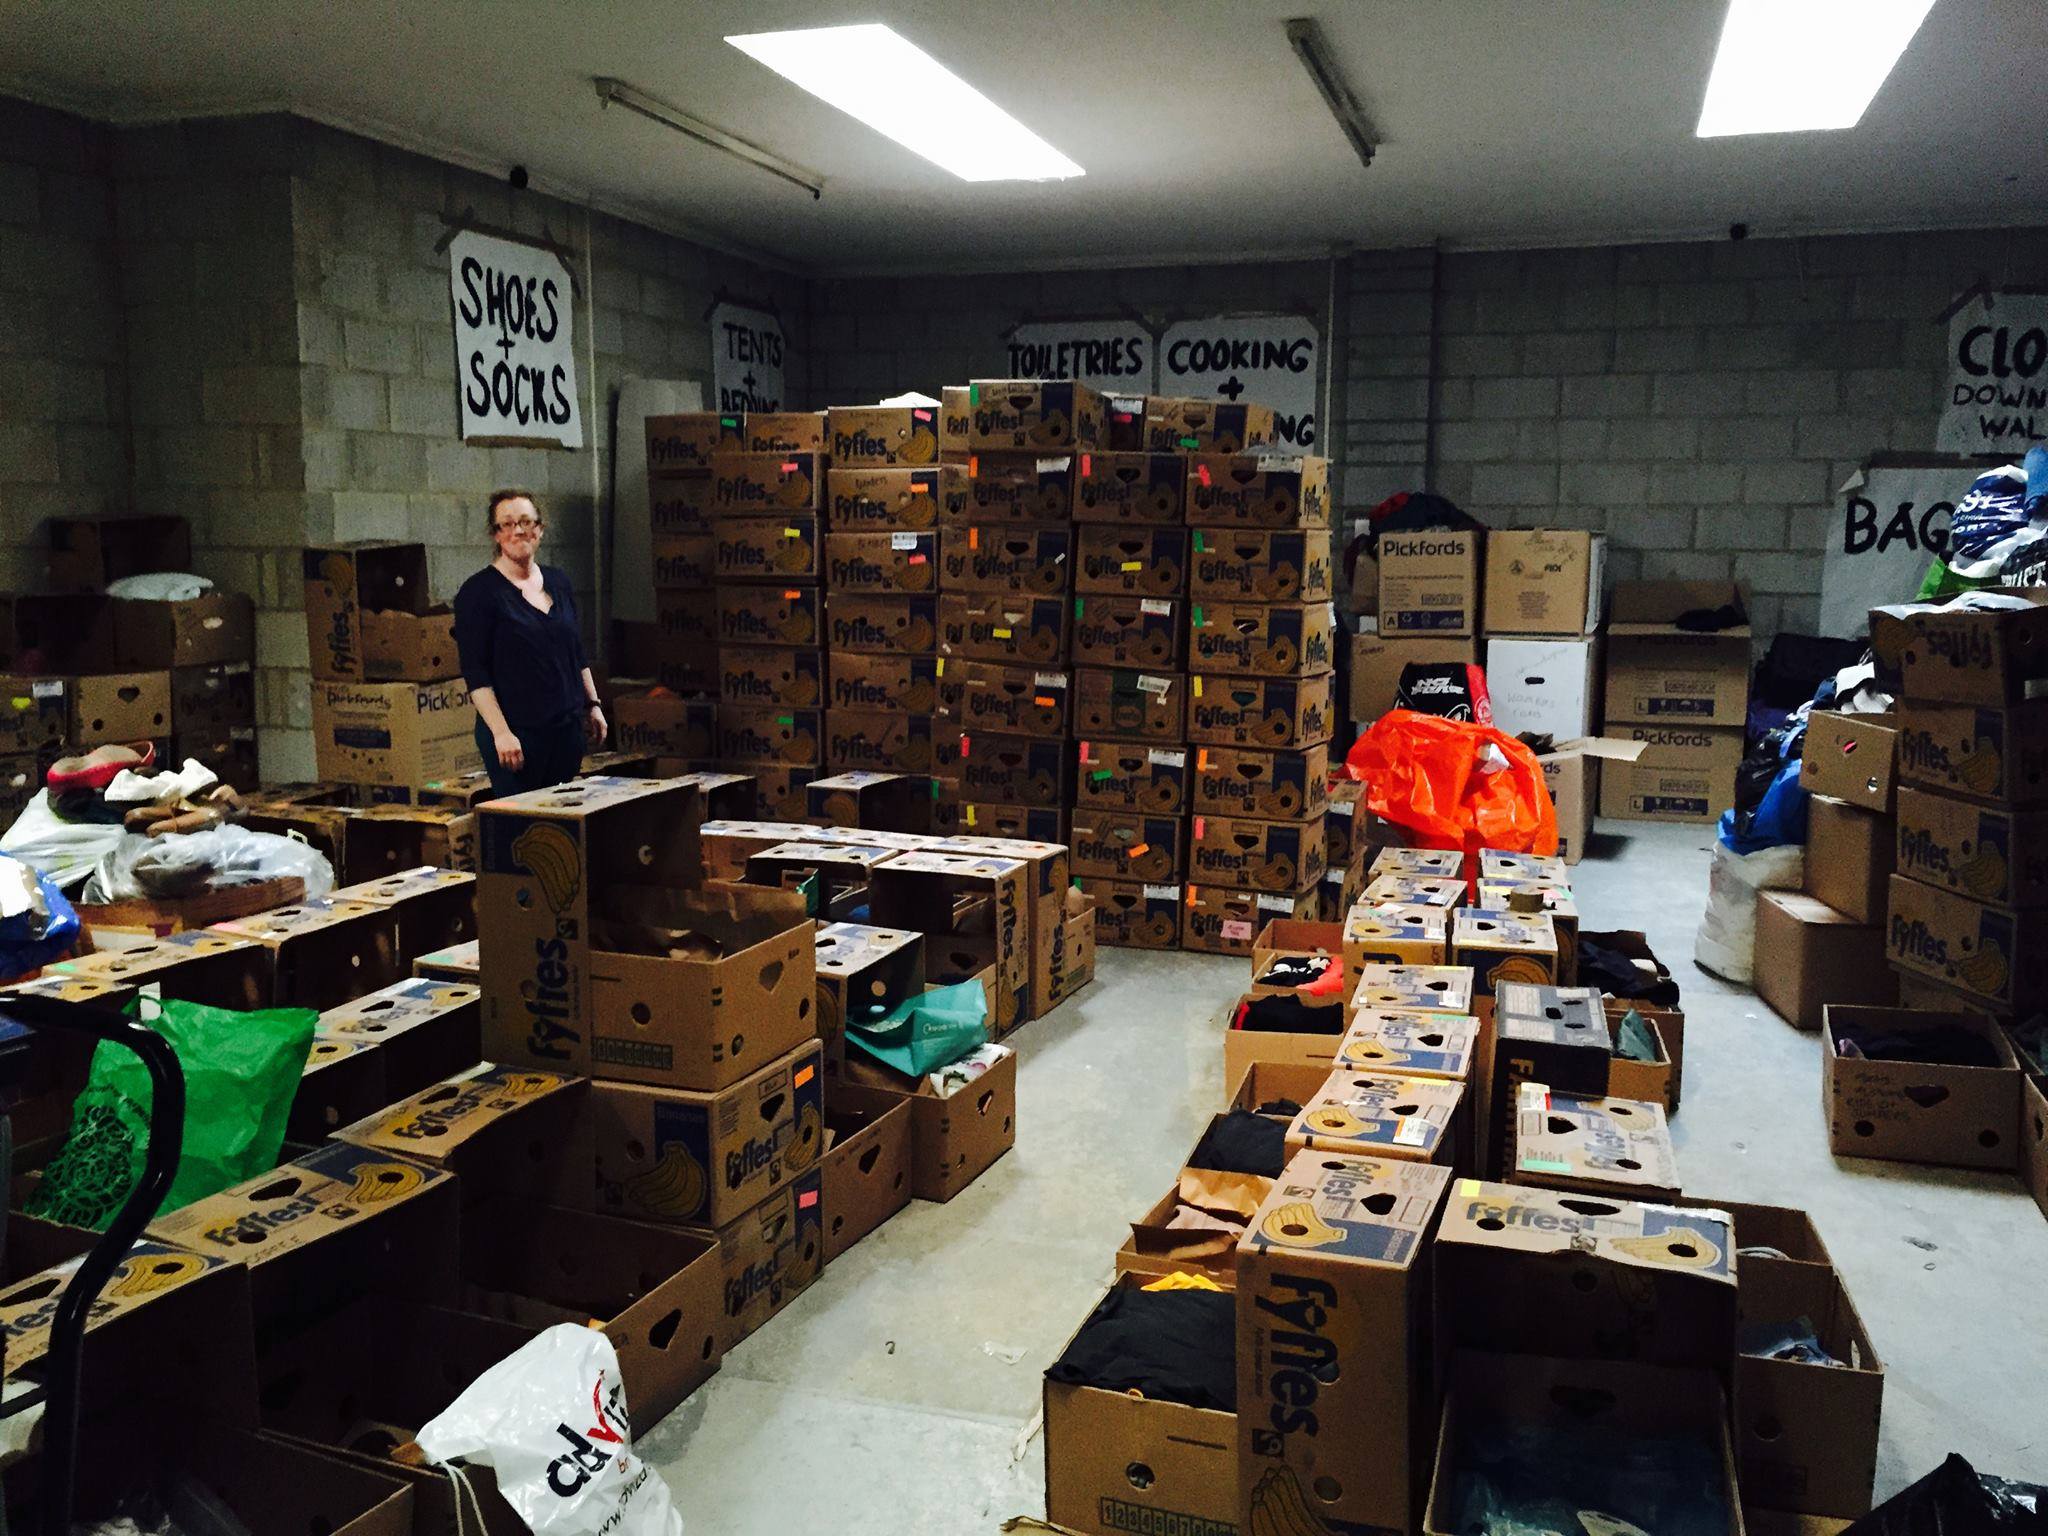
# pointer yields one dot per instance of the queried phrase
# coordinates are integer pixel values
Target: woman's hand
(593, 725)
(511, 755)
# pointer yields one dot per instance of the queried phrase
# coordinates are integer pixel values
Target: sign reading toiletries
(515, 344)
(1261, 359)
(1994, 397)
(1114, 356)
(746, 358)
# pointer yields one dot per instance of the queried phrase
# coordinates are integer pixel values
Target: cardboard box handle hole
(663, 1333)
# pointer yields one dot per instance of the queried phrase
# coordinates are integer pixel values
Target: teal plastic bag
(241, 1070)
(932, 1030)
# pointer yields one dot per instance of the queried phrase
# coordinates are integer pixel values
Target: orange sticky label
(1202, 758)
(1200, 822)
(792, 595)
(1045, 701)
(974, 538)
(1137, 848)
(803, 1075)
(973, 465)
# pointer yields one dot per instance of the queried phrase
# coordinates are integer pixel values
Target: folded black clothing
(1285, 1107)
(1296, 970)
(1283, 1015)
(1173, 1346)
(1706, 620)
(1617, 974)
(1943, 1045)
(1242, 1142)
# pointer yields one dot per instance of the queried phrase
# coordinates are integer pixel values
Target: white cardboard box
(1545, 685)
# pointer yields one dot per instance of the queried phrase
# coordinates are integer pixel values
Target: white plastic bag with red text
(550, 1420)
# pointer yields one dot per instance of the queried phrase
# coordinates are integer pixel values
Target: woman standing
(522, 655)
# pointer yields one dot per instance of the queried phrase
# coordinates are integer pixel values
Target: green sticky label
(785, 719)
(1099, 775)
(1198, 618)
(1544, 1165)
(1077, 607)
(1191, 442)
(974, 394)
(1200, 548)
(729, 421)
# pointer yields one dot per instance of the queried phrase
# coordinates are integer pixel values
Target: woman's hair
(499, 498)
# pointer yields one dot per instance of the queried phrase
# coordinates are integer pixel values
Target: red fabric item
(1426, 774)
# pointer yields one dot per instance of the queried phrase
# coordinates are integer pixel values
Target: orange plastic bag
(1433, 777)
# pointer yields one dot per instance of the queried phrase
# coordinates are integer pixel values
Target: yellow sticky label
(1134, 565)
(1468, 1188)
(1198, 687)
(792, 533)
(970, 815)
(1000, 634)
(939, 668)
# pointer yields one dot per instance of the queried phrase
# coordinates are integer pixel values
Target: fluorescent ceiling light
(905, 94)
(1791, 66)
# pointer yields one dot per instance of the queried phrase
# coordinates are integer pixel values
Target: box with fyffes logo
(1998, 955)
(1379, 1114)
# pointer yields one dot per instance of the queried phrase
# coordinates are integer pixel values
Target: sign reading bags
(1114, 356)
(1995, 396)
(746, 358)
(515, 344)
(1892, 520)
(1268, 360)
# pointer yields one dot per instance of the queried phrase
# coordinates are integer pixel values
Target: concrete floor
(897, 1395)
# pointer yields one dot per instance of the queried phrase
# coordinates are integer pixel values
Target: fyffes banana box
(1979, 851)
(1512, 894)
(424, 1029)
(1332, 1354)
(1547, 868)
(1998, 955)
(704, 1159)
(882, 436)
(1998, 755)
(777, 548)
(1380, 1115)
(502, 1130)
(1395, 933)
(1504, 947)
(1616, 1147)
(1412, 1044)
(766, 484)
(769, 1254)
(1415, 890)
(1407, 988)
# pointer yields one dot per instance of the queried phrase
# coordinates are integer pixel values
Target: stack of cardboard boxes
(1542, 611)
(1678, 682)
(83, 670)
(1426, 613)
(679, 450)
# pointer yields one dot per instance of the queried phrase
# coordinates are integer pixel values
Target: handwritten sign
(1261, 359)
(1891, 521)
(746, 359)
(1995, 394)
(1114, 356)
(515, 343)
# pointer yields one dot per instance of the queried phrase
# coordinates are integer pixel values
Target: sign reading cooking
(515, 347)
(1267, 360)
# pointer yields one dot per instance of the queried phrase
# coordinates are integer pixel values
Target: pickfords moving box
(404, 734)
(1429, 582)
(1544, 581)
(369, 616)
(703, 1159)
(738, 996)
(1851, 757)
(1333, 1413)
(1685, 773)
(1120, 1461)
(1920, 1112)
(1660, 672)
(546, 856)
(1998, 955)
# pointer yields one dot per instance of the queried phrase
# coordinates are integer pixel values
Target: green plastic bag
(926, 1032)
(241, 1073)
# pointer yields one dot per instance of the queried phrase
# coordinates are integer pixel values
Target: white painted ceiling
(1504, 122)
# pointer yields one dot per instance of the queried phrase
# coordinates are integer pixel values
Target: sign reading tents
(1891, 520)
(1114, 356)
(515, 345)
(1259, 359)
(746, 358)
(1995, 395)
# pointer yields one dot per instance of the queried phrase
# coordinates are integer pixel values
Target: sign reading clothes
(1995, 394)
(1254, 359)
(515, 343)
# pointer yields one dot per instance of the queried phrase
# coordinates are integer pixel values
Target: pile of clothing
(1173, 1340)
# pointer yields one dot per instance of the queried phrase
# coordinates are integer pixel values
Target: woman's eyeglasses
(519, 525)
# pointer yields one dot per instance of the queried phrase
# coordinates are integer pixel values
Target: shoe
(97, 768)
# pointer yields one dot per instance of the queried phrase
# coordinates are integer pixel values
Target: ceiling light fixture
(617, 92)
(1306, 34)
(903, 93)
(1795, 66)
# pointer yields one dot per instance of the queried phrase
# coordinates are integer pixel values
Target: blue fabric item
(1780, 818)
(33, 938)
(1989, 522)
(532, 661)
(2036, 466)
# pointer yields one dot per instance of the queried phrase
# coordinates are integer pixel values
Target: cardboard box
(398, 734)
(455, 964)
(1685, 773)
(1131, 706)
(762, 677)
(369, 616)
(1411, 988)
(1403, 885)
(88, 552)
(422, 1029)
(865, 1175)
(1556, 1036)
(1809, 955)
(785, 432)
(1850, 854)
(1071, 963)
(1430, 1045)
(667, 726)
(908, 684)
(414, 647)
(1130, 915)
(325, 952)
(1993, 754)
(1331, 1330)
(1051, 909)
(679, 501)
(1619, 1148)
(1265, 1086)
(1131, 562)
(1377, 662)
(782, 792)
(1005, 558)
(2033, 1139)
(983, 696)
(120, 707)
(1378, 1114)
(890, 802)
(883, 436)
(744, 997)
(188, 632)
(435, 907)
(1395, 933)
(1962, 1117)
(773, 736)
(768, 615)
(982, 818)
(1994, 954)
(1256, 855)
(884, 563)
(1021, 770)
(1988, 854)
(777, 549)
(1128, 632)
(1851, 757)
(1571, 772)
(1545, 687)
(203, 965)
(1544, 581)
(1129, 846)
(653, 1291)
(1129, 487)
(1244, 781)
(835, 873)
(543, 855)
(978, 898)
(1182, 424)
(230, 754)
(1658, 672)
(1251, 566)
(1259, 712)
(862, 972)
(1263, 639)
(1429, 583)
(1127, 776)
(957, 1137)
(1504, 946)
(1015, 630)
(882, 626)
(1156, 1248)
(687, 440)
(1007, 488)
(1286, 936)
(685, 562)
(1120, 1461)
(766, 484)
(500, 1130)
(1225, 920)
(884, 500)
(1528, 896)
(216, 697)
(706, 1158)
(1980, 648)
(1258, 490)
(769, 1256)
(1313, 1045)
(878, 741)
(1030, 414)
(35, 714)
